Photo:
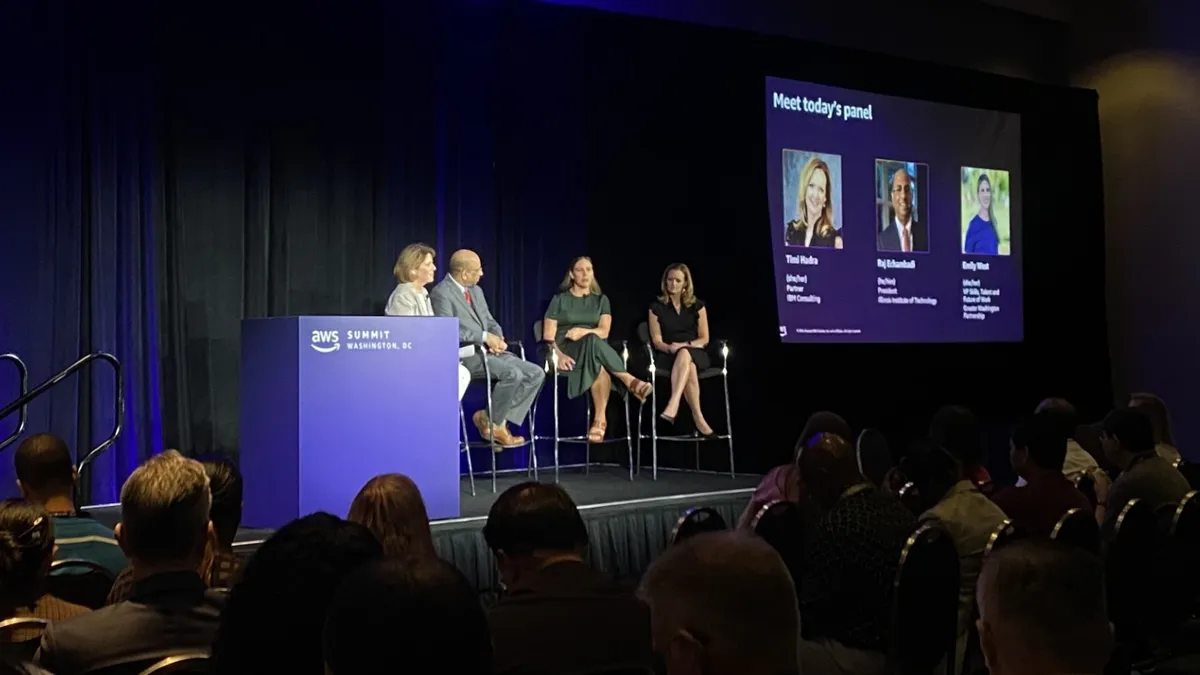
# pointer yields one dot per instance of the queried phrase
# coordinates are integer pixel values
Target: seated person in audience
(46, 476)
(164, 530)
(1077, 462)
(1128, 439)
(1039, 448)
(422, 611)
(955, 429)
(221, 565)
(953, 502)
(851, 563)
(557, 615)
(723, 603)
(276, 611)
(1042, 610)
(1160, 420)
(26, 547)
(783, 482)
(391, 507)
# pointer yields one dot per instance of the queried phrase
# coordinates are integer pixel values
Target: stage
(628, 522)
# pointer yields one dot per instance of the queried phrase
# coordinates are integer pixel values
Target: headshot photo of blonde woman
(985, 212)
(812, 199)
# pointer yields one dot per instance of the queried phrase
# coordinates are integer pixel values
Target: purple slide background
(944, 137)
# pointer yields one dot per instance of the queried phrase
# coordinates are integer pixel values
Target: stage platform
(628, 522)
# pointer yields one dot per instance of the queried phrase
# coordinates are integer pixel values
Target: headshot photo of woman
(576, 325)
(414, 271)
(812, 199)
(678, 325)
(985, 212)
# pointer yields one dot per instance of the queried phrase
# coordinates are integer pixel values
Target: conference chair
(82, 582)
(874, 456)
(494, 447)
(697, 521)
(1078, 528)
(24, 648)
(1086, 483)
(1004, 534)
(1180, 558)
(972, 660)
(180, 664)
(550, 364)
(925, 604)
(1129, 567)
(653, 375)
(910, 496)
(781, 524)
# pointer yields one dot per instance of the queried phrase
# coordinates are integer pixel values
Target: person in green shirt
(577, 324)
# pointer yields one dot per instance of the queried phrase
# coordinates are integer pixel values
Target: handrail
(42, 388)
(24, 372)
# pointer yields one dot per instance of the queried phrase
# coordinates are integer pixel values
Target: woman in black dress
(679, 333)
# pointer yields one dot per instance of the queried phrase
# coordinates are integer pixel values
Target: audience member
(1160, 420)
(955, 428)
(26, 548)
(164, 530)
(1128, 440)
(1042, 610)
(846, 591)
(723, 604)
(391, 507)
(1039, 448)
(46, 476)
(783, 482)
(276, 612)
(557, 615)
(221, 566)
(963, 511)
(1062, 414)
(422, 610)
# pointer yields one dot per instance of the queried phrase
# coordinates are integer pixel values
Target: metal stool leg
(628, 436)
(728, 422)
(587, 439)
(466, 446)
(641, 407)
(653, 428)
(556, 429)
(493, 448)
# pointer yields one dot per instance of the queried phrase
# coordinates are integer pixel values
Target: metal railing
(24, 373)
(27, 396)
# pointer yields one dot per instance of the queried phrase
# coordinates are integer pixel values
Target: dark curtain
(78, 208)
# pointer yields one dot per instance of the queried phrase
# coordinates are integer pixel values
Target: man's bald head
(466, 267)
(728, 593)
(828, 466)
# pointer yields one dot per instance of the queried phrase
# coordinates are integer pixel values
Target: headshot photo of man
(900, 200)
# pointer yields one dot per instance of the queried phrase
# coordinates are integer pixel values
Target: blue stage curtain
(78, 182)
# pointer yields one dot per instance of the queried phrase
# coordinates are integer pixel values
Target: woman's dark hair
(391, 507)
(532, 517)
(225, 483)
(932, 470)
(26, 546)
(823, 422)
(955, 429)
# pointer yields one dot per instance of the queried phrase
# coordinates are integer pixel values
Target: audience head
(1127, 433)
(581, 275)
(1039, 443)
(1042, 609)
(1160, 418)
(531, 525)
(165, 507)
(415, 265)
(225, 484)
(26, 550)
(45, 470)
(722, 603)
(423, 609)
(466, 267)
(1062, 413)
(932, 471)
(274, 616)
(955, 428)
(828, 467)
(390, 506)
(823, 422)
(1088, 438)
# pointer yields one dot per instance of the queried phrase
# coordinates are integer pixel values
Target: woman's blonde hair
(567, 283)
(1160, 418)
(824, 224)
(410, 259)
(391, 507)
(688, 296)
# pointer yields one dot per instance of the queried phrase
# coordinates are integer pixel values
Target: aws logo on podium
(325, 341)
(329, 341)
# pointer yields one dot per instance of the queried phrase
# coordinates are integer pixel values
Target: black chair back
(1130, 563)
(925, 603)
(643, 333)
(781, 524)
(21, 649)
(1086, 483)
(1078, 528)
(12, 663)
(874, 455)
(82, 582)
(184, 663)
(1181, 557)
(1004, 534)
(910, 496)
(697, 521)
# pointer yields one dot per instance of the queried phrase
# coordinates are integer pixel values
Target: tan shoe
(503, 437)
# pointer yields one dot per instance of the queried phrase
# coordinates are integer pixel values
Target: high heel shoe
(667, 418)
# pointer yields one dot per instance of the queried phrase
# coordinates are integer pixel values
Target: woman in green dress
(577, 324)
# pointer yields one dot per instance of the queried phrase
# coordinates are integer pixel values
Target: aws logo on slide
(325, 341)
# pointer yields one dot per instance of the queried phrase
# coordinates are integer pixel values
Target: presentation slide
(893, 219)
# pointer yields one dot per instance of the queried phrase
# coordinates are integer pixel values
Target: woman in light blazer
(414, 270)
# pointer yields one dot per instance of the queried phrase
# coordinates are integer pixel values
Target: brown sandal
(641, 391)
(596, 432)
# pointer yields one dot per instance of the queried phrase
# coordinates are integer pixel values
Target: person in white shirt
(413, 271)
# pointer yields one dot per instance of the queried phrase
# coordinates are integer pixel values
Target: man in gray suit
(519, 381)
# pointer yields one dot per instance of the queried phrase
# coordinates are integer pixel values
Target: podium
(328, 402)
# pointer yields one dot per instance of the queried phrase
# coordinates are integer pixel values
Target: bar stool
(495, 447)
(550, 363)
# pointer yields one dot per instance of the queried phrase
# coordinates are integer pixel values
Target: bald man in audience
(723, 604)
(1042, 611)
